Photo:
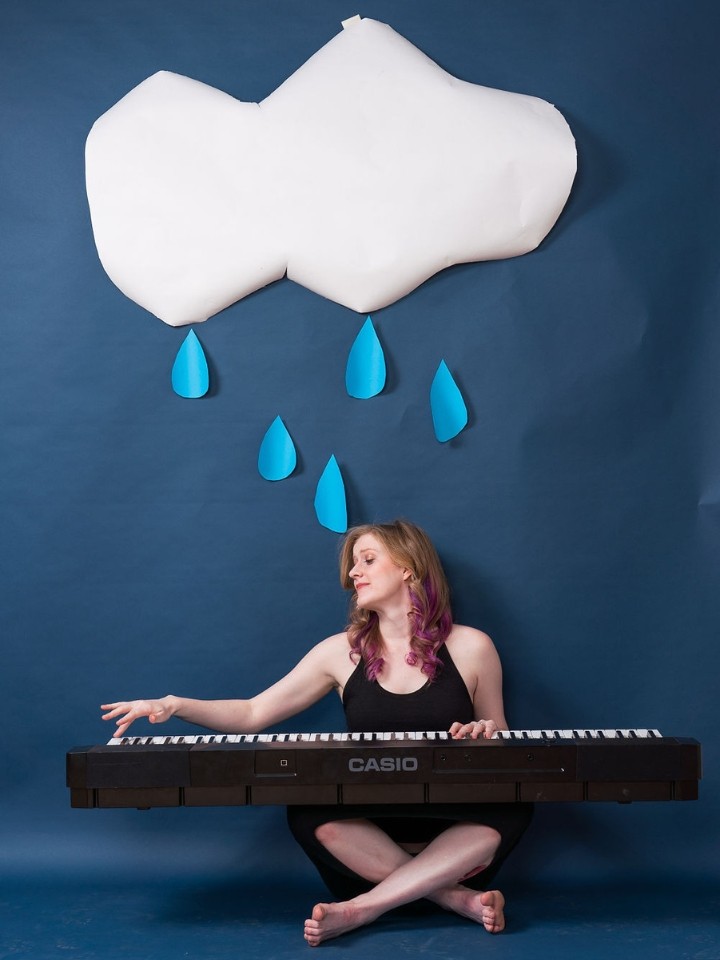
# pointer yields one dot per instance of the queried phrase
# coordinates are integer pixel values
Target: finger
(125, 721)
(112, 714)
(471, 731)
(119, 706)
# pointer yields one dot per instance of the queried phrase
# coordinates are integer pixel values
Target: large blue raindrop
(365, 371)
(330, 504)
(277, 458)
(449, 412)
(190, 376)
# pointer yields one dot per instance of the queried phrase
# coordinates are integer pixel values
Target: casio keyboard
(367, 768)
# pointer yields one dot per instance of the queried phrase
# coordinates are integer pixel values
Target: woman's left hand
(473, 731)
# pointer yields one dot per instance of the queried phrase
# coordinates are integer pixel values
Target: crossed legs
(435, 873)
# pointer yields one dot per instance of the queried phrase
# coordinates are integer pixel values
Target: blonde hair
(430, 615)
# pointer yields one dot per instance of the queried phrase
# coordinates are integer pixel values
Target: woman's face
(378, 580)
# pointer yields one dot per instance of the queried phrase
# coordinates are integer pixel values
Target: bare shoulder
(472, 651)
(468, 641)
(333, 656)
(337, 643)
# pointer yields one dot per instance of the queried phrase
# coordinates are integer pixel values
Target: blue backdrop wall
(577, 515)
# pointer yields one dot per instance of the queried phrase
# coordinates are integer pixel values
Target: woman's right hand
(125, 712)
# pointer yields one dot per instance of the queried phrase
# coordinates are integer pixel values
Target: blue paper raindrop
(365, 371)
(277, 458)
(449, 412)
(190, 376)
(330, 504)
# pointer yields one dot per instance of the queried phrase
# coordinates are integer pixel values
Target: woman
(401, 665)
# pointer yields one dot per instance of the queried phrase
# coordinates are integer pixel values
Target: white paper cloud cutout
(366, 172)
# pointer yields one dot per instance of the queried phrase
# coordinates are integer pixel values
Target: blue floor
(146, 918)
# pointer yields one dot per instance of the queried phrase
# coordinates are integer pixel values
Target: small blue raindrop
(365, 371)
(190, 377)
(449, 412)
(330, 504)
(277, 458)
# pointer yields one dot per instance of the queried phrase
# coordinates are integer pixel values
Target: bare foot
(493, 916)
(485, 908)
(330, 920)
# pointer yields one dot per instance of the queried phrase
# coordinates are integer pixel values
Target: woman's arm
(479, 665)
(320, 670)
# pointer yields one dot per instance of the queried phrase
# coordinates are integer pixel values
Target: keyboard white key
(578, 733)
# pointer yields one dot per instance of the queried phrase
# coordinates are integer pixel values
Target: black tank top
(436, 706)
